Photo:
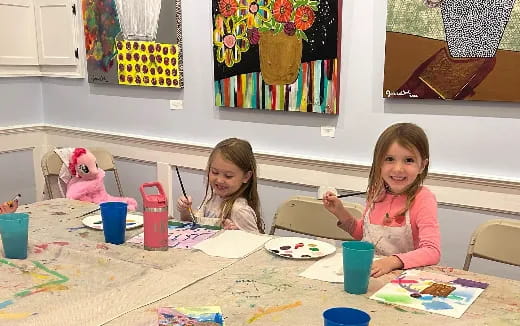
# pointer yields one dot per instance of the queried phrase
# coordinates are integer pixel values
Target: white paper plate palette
(95, 222)
(299, 248)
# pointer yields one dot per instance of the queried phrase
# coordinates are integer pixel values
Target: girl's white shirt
(242, 215)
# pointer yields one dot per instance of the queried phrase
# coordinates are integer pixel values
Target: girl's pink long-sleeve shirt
(423, 219)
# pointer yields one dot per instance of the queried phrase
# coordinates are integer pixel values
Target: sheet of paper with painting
(184, 316)
(436, 293)
(181, 236)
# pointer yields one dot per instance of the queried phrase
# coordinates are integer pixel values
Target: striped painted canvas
(299, 73)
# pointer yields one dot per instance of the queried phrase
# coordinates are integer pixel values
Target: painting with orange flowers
(277, 54)
(134, 42)
(453, 50)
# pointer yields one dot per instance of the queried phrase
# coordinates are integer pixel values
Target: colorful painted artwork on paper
(277, 54)
(127, 44)
(193, 316)
(436, 293)
(430, 54)
(181, 236)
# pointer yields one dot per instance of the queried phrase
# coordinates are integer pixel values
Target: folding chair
(306, 215)
(51, 165)
(495, 240)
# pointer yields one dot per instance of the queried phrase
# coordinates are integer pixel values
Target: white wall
(476, 138)
(20, 101)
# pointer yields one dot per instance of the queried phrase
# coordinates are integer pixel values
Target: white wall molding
(455, 190)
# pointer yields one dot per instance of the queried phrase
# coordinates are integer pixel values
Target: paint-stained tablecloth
(71, 277)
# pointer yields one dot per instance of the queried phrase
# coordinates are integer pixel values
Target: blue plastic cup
(345, 317)
(357, 263)
(14, 229)
(113, 215)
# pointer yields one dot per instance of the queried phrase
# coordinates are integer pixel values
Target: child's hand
(385, 265)
(9, 206)
(183, 203)
(332, 203)
(229, 225)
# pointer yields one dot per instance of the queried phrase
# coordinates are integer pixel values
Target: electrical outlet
(176, 105)
(328, 131)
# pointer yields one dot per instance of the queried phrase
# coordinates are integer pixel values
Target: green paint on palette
(395, 298)
(400, 309)
(314, 249)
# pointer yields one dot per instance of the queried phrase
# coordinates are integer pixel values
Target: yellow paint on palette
(10, 315)
(141, 63)
(262, 312)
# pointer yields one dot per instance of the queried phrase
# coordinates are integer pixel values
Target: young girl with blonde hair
(400, 217)
(231, 199)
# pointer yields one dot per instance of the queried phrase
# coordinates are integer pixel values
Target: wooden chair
(495, 240)
(306, 215)
(51, 165)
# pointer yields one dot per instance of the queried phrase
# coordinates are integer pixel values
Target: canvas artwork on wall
(134, 42)
(453, 50)
(277, 54)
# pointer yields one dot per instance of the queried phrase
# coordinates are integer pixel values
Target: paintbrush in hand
(193, 220)
(348, 195)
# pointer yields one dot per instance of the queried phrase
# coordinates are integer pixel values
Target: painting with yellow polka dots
(135, 44)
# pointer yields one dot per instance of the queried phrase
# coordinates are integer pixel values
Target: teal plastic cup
(14, 229)
(113, 215)
(341, 316)
(357, 263)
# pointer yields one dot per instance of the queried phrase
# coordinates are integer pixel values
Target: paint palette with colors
(299, 248)
(95, 222)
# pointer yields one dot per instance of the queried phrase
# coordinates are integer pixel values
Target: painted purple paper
(184, 238)
(471, 283)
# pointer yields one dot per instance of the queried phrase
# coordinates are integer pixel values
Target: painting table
(76, 279)
(72, 275)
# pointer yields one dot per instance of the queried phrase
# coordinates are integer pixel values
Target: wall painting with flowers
(134, 42)
(453, 50)
(277, 54)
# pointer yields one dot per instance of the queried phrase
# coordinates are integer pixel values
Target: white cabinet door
(56, 28)
(17, 33)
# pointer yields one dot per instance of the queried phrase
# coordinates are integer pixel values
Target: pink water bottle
(155, 218)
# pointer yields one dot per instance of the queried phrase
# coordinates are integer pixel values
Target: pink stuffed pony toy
(87, 184)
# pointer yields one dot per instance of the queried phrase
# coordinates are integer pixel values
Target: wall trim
(486, 194)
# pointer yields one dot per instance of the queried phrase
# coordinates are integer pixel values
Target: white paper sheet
(328, 269)
(232, 244)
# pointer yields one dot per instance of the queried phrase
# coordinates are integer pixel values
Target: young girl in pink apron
(400, 217)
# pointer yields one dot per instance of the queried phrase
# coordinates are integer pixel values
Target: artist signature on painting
(401, 93)
(99, 79)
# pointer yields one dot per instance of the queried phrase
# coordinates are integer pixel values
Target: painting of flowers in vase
(278, 55)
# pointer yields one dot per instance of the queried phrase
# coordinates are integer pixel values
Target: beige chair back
(496, 240)
(51, 165)
(306, 215)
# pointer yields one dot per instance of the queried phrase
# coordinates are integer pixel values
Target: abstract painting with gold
(134, 42)
(453, 50)
(277, 54)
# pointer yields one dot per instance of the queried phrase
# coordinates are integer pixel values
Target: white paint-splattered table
(79, 280)
(264, 289)
(71, 277)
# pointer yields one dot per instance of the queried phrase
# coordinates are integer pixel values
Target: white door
(56, 29)
(17, 33)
